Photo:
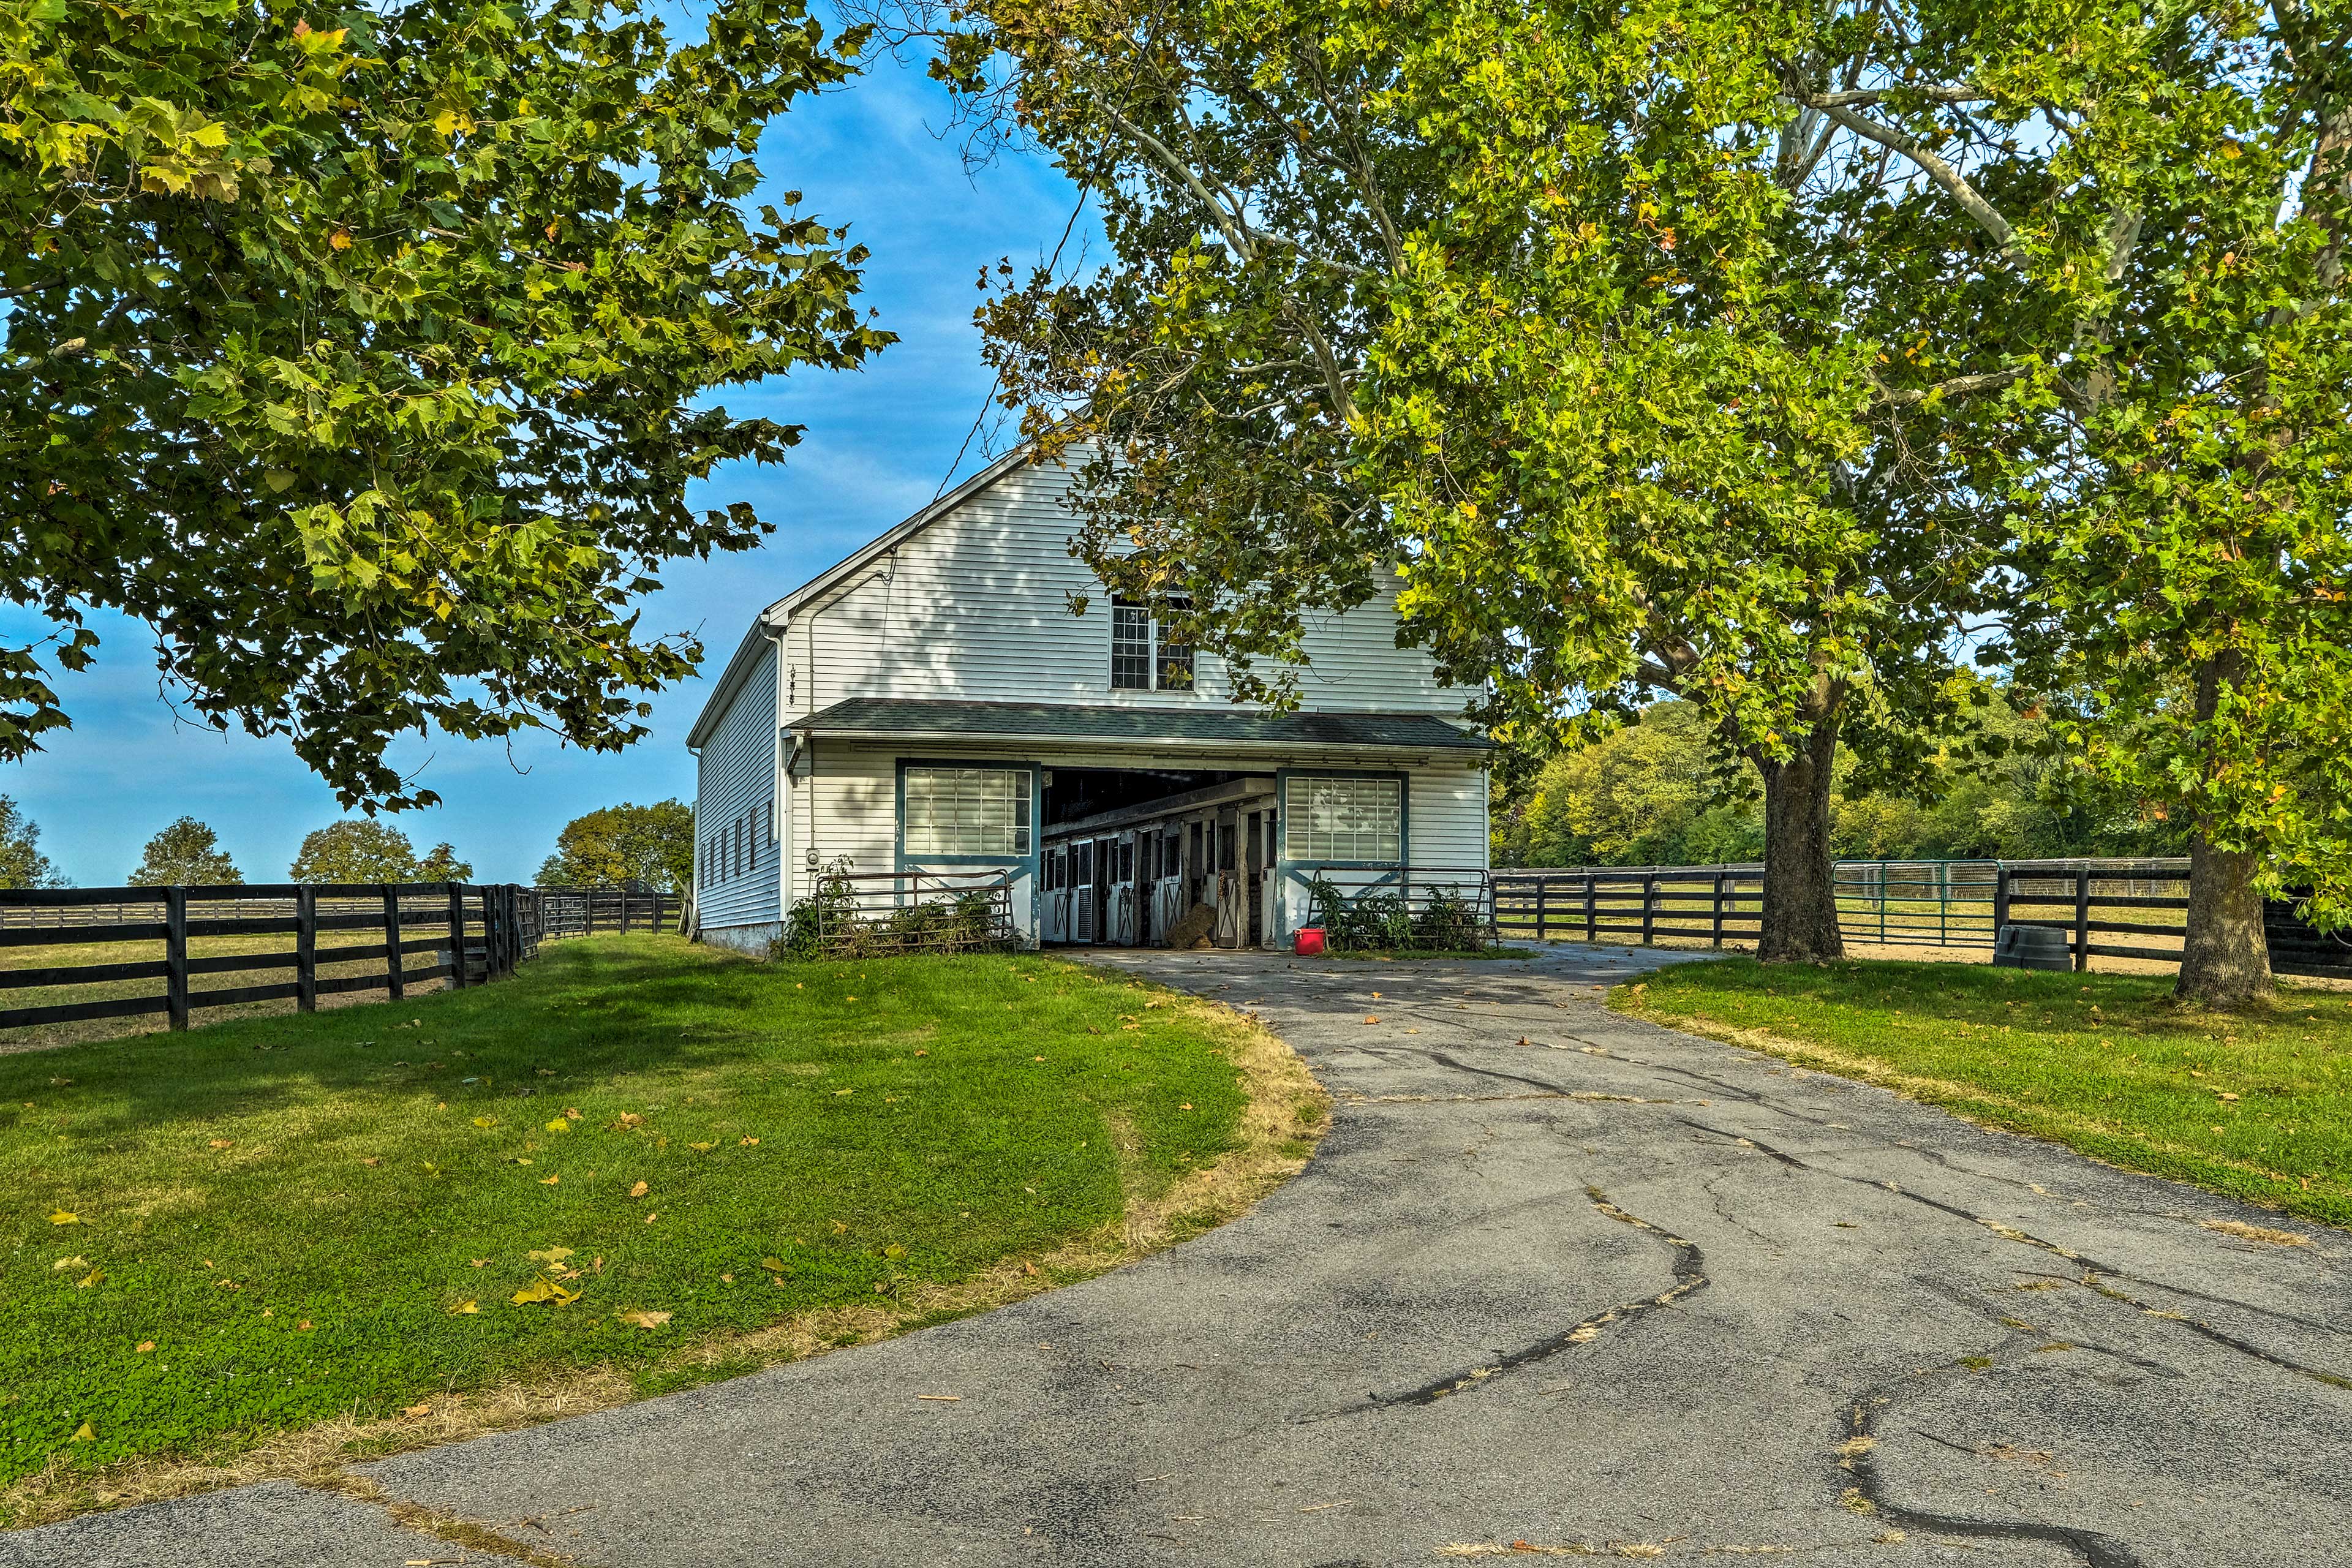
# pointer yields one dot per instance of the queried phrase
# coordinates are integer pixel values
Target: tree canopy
(186, 853)
(625, 845)
(361, 849)
(1789, 364)
(370, 363)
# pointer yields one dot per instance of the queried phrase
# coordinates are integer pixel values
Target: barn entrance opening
(1158, 858)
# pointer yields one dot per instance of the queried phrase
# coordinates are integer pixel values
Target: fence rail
(466, 933)
(1904, 903)
(583, 911)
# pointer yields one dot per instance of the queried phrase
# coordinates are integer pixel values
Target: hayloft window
(966, 811)
(1175, 668)
(1130, 645)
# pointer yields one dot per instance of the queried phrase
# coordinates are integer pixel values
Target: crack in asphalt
(2096, 1549)
(1689, 1278)
(2094, 1267)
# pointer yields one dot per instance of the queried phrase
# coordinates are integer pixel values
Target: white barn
(930, 707)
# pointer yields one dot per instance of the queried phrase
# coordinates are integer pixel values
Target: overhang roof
(906, 719)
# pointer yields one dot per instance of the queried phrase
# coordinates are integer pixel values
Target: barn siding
(977, 607)
(737, 783)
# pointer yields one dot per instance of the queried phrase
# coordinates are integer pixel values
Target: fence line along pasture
(180, 938)
(1903, 903)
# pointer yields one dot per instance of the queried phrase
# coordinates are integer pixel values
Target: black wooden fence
(583, 911)
(2092, 902)
(467, 934)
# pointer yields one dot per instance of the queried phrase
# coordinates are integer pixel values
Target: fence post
(1718, 909)
(457, 937)
(1999, 903)
(1543, 907)
(2082, 920)
(1943, 904)
(306, 950)
(176, 955)
(625, 912)
(490, 934)
(1592, 929)
(1649, 905)
(395, 981)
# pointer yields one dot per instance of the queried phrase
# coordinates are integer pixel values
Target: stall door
(1083, 893)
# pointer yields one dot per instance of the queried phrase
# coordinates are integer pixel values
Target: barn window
(966, 811)
(1175, 670)
(1130, 645)
(1345, 819)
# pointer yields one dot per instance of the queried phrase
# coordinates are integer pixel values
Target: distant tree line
(1653, 793)
(642, 845)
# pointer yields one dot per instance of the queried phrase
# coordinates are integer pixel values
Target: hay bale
(1193, 929)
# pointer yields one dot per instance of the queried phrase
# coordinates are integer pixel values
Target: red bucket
(1308, 943)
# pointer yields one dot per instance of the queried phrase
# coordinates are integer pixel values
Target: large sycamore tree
(2185, 567)
(1567, 314)
(366, 354)
(1783, 358)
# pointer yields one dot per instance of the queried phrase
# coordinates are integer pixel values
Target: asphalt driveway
(1558, 1283)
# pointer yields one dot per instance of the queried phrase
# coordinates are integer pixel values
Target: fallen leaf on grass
(85, 1433)
(218, 1143)
(373, 1161)
(486, 1121)
(625, 1119)
(547, 1291)
(705, 1148)
(922, 1053)
(549, 1181)
(70, 1263)
(774, 1265)
(651, 1217)
(303, 1327)
(95, 1276)
(745, 1142)
(1186, 1106)
(645, 1319)
(146, 1345)
(424, 1409)
(557, 1124)
(640, 1190)
(839, 1228)
(62, 1218)
(553, 1257)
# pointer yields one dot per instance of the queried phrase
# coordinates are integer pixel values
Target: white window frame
(1343, 821)
(987, 813)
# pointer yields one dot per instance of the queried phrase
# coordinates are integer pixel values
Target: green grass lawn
(2259, 1107)
(211, 1237)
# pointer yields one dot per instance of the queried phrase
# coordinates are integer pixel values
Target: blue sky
(879, 444)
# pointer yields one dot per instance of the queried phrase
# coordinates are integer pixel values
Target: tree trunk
(1801, 918)
(2225, 961)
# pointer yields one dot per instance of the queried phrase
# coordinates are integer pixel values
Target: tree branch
(1957, 386)
(1954, 184)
